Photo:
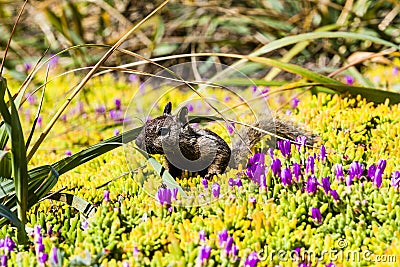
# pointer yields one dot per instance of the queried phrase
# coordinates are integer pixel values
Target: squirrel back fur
(201, 150)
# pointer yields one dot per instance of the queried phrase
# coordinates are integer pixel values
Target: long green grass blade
(9, 215)
(5, 164)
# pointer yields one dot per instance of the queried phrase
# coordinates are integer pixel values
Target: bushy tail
(248, 137)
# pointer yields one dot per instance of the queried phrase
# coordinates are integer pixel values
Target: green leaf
(9, 215)
(5, 164)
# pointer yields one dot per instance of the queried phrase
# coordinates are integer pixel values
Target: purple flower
(227, 98)
(106, 195)
(136, 252)
(301, 142)
(323, 153)
(296, 171)
(271, 153)
(40, 247)
(338, 169)
(100, 110)
(42, 258)
(190, 107)
(395, 179)
(230, 127)
(3, 260)
(258, 158)
(202, 236)
(223, 237)
(263, 181)
(356, 170)
(228, 245)
(295, 102)
(125, 264)
(334, 194)
(117, 103)
(310, 165)
(284, 147)
(276, 166)
(216, 189)
(53, 60)
(116, 115)
(63, 117)
(331, 264)
(32, 99)
(132, 77)
(312, 184)
(40, 121)
(286, 177)
(27, 66)
(251, 260)
(174, 192)
(204, 254)
(252, 199)
(326, 185)
(235, 250)
(254, 87)
(68, 153)
(349, 79)
(8, 244)
(238, 182)
(316, 215)
(205, 183)
(231, 182)
(395, 71)
(378, 177)
(381, 164)
(371, 171)
(85, 224)
(116, 131)
(164, 196)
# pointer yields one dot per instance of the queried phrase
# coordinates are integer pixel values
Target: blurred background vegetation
(195, 26)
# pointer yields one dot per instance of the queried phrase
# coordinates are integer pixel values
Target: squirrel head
(162, 133)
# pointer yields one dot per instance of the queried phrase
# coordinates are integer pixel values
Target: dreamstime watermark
(338, 254)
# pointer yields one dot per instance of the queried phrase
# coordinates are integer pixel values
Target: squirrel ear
(183, 115)
(168, 109)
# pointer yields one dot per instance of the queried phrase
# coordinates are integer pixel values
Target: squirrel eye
(163, 131)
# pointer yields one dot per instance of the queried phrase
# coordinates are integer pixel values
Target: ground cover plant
(73, 195)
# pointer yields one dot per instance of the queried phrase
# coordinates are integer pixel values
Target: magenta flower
(295, 102)
(371, 171)
(228, 245)
(286, 177)
(42, 257)
(53, 255)
(322, 153)
(174, 193)
(326, 185)
(310, 165)
(164, 196)
(106, 195)
(349, 79)
(312, 183)
(230, 127)
(395, 71)
(204, 254)
(202, 236)
(356, 170)
(284, 147)
(116, 132)
(238, 182)
(205, 183)
(223, 237)
(316, 215)
(117, 103)
(301, 140)
(338, 169)
(3, 260)
(216, 189)
(100, 110)
(68, 153)
(395, 179)
(276, 166)
(296, 171)
(252, 260)
(334, 194)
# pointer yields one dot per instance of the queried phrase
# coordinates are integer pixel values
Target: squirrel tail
(248, 137)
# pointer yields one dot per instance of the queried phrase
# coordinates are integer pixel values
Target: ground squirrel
(201, 150)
